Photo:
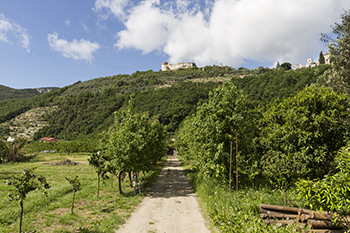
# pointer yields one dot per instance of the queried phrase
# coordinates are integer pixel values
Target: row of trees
(304, 132)
(132, 144)
(87, 145)
(27, 182)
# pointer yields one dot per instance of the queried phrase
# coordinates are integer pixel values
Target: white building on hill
(311, 63)
(181, 65)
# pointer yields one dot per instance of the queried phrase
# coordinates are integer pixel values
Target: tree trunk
(98, 184)
(230, 174)
(130, 180)
(285, 197)
(120, 181)
(236, 161)
(73, 202)
(21, 217)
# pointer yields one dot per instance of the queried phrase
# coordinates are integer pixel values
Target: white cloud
(67, 22)
(116, 7)
(226, 31)
(86, 28)
(78, 50)
(12, 33)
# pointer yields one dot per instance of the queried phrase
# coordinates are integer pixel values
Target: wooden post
(21, 217)
(230, 174)
(236, 161)
(73, 202)
(98, 184)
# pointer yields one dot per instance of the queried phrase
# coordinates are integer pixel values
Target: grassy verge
(231, 211)
(52, 213)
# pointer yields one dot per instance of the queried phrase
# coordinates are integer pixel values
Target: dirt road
(170, 205)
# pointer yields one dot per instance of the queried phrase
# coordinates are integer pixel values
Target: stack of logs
(304, 218)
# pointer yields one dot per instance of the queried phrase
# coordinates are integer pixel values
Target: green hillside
(85, 109)
(10, 93)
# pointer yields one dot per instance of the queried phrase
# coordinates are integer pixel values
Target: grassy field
(52, 213)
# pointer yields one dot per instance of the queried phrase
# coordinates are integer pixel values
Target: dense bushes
(87, 145)
(303, 132)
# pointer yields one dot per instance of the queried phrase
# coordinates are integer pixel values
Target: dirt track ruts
(170, 206)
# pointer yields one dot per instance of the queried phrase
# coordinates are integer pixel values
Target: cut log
(279, 222)
(315, 215)
(284, 209)
(263, 211)
(279, 215)
(304, 217)
(322, 231)
(319, 224)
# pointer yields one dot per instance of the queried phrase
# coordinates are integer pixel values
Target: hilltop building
(311, 63)
(181, 65)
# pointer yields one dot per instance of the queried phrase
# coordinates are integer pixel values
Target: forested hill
(11, 93)
(86, 109)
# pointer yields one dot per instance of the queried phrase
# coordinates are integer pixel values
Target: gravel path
(170, 205)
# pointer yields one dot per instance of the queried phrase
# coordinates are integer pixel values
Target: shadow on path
(172, 181)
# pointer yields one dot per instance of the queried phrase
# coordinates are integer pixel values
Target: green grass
(52, 213)
(231, 211)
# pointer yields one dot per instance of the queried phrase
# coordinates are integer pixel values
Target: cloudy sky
(59, 42)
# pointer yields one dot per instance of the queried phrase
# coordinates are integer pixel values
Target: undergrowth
(231, 211)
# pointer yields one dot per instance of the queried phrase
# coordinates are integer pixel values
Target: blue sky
(59, 42)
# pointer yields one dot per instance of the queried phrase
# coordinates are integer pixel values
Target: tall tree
(301, 135)
(135, 141)
(205, 138)
(321, 59)
(286, 66)
(339, 48)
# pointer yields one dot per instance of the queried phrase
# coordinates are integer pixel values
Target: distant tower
(309, 61)
(326, 58)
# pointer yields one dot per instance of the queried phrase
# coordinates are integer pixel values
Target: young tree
(4, 151)
(98, 160)
(76, 186)
(24, 184)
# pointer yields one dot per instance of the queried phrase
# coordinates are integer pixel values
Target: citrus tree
(99, 161)
(76, 186)
(332, 193)
(134, 142)
(205, 138)
(301, 135)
